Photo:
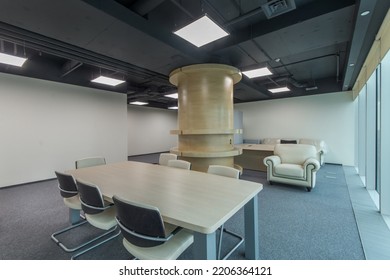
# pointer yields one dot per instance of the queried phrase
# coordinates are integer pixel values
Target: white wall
(149, 130)
(329, 117)
(46, 126)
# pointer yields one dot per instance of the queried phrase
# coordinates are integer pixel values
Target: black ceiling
(317, 47)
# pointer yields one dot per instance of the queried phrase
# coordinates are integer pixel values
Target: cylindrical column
(205, 114)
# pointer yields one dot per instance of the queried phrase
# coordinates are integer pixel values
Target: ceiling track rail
(306, 60)
(71, 52)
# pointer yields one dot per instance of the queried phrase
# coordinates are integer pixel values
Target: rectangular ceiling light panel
(259, 72)
(12, 60)
(107, 81)
(201, 32)
(281, 89)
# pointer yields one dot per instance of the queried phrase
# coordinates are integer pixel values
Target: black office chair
(98, 213)
(232, 173)
(145, 234)
(70, 194)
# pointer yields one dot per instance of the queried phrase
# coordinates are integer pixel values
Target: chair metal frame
(79, 223)
(102, 208)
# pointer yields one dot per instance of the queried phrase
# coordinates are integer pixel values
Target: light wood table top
(194, 200)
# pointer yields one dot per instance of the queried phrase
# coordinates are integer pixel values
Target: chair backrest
(66, 184)
(224, 171)
(295, 153)
(88, 162)
(165, 157)
(91, 198)
(139, 221)
(178, 163)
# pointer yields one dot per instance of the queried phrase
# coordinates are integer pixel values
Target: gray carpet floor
(294, 224)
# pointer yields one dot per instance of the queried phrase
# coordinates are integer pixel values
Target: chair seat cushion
(73, 202)
(104, 220)
(169, 250)
(289, 170)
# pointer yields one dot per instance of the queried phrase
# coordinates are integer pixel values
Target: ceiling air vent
(275, 8)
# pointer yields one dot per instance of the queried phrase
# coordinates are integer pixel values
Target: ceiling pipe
(70, 66)
(306, 60)
(244, 16)
(145, 7)
(15, 49)
(184, 10)
(214, 10)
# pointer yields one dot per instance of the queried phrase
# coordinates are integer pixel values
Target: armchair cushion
(289, 170)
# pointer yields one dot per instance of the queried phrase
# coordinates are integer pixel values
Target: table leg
(251, 217)
(205, 246)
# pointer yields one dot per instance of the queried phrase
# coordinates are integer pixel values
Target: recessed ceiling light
(173, 107)
(107, 81)
(281, 89)
(201, 32)
(351, 64)
(277, 59)
(12, 60)
(365, 13)
(138, 103)
(259, 72)
(173, 95)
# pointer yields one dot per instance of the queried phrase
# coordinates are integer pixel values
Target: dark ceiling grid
(309, 48)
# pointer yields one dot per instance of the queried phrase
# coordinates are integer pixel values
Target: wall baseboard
(28, 183)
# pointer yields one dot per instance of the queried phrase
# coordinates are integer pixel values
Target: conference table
(197, 201)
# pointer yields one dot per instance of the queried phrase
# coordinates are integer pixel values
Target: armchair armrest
(312, 163)
(271, 160)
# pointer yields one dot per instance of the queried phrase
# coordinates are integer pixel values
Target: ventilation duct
(275, 8)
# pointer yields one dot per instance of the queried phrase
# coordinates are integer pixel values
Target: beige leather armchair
(294, 164)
